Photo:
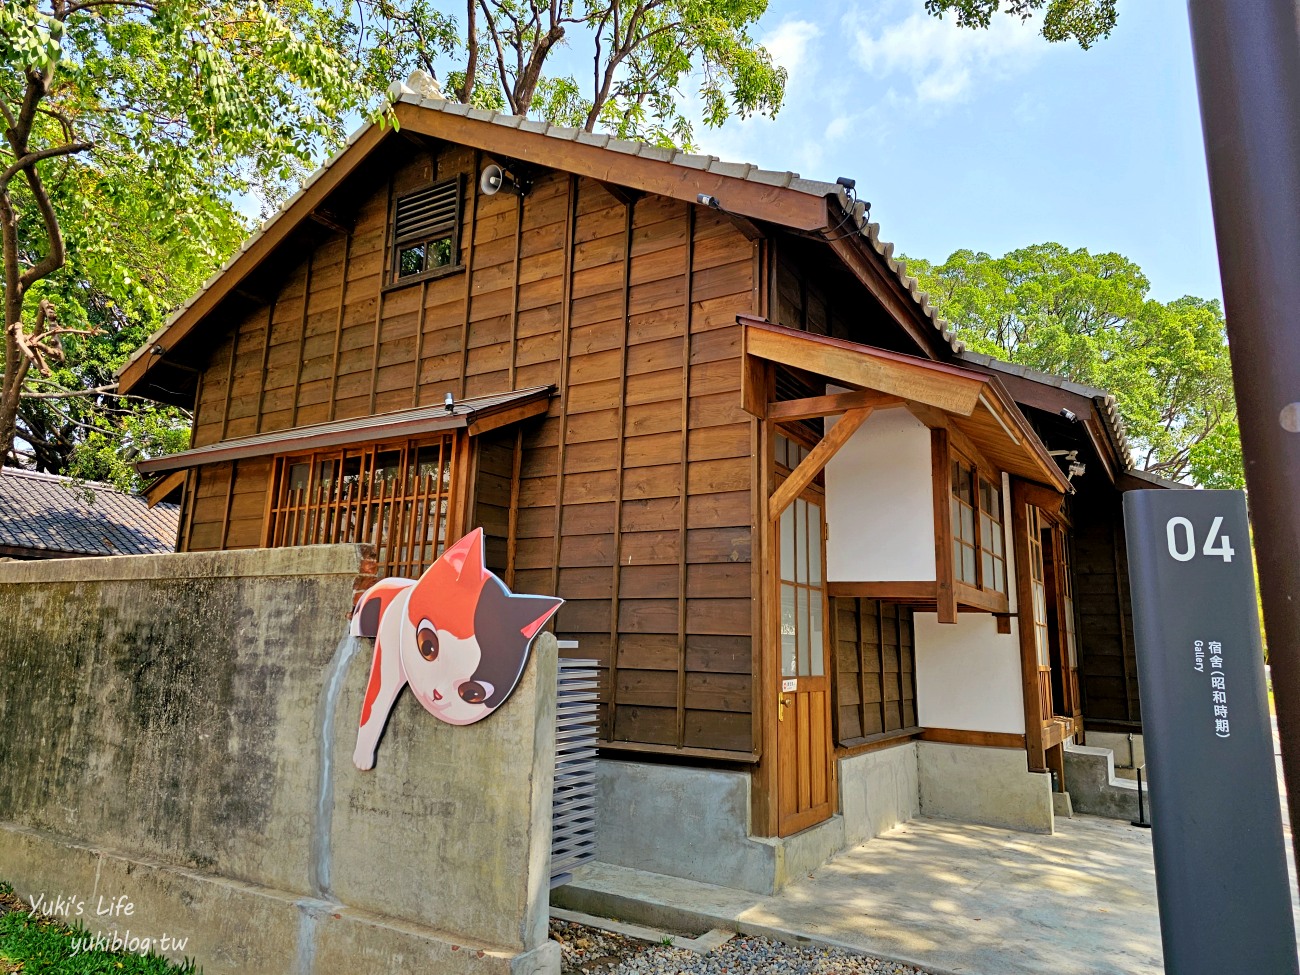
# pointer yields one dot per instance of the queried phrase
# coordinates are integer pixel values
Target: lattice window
(803, 591)
(426, 230)
(993, 557)
(1038, 589)
(395, 496)
(964, 561)
(978, 545)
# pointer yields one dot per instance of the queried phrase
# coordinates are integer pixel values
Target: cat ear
(530, 613)
(467, 552)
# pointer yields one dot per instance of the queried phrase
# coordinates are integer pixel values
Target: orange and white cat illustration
(456, 635)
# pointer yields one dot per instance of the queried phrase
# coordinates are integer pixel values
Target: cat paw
(363, 759)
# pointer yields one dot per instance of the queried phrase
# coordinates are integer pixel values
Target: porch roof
(476, 414)
(974, 404)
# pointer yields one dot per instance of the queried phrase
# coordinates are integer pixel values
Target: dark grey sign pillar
(1221, 877)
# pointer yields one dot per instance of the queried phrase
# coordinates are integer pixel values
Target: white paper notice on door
(789, 684)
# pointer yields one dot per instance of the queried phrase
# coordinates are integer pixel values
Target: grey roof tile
(46, 513)
(1107, 407)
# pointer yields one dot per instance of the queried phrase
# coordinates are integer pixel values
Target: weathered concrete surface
(991, 786)
(1095, 788)
(694, 823)
(878, 791)
(170, 714)
(947, 897)
(1125, 758)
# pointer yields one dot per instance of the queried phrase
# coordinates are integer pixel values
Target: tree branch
(32, 158)
(471, 43)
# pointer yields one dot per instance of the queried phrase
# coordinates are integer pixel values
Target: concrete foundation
(991, 786)
(1095, 788)
(878, 791)
(1126, 756)
(694, 823)
(183, 733)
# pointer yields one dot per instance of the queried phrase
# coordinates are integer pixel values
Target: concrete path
(952, 898)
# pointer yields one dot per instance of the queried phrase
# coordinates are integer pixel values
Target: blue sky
(996, 139)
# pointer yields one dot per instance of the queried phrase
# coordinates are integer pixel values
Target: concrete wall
(878, 791)
(1127, 755)
(1096, 788)
(968, 674)
(694, 823)
(181, 731)
(983, 785)
(880, 503)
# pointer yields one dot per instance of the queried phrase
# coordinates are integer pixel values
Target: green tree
(131, 128)
(1088, 317)
(642, 54)
(1085, 21)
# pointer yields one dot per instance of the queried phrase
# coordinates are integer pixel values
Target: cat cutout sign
(456, 635)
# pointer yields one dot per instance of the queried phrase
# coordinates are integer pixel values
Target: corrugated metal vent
(573, 817)
(428, 213)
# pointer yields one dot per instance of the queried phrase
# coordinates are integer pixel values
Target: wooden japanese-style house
(702, 403)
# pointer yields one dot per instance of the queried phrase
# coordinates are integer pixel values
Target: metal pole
(1247, 55)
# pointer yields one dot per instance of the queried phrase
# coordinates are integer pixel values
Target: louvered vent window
(426, 227)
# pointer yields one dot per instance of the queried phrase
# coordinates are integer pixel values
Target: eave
(476, 415)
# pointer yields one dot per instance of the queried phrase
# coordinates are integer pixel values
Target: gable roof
(743, 190)
(44, 515)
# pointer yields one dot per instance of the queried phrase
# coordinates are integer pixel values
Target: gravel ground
(588, 951)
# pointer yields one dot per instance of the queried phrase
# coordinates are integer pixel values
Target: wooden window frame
(398, 244)
(978, 595)
(406, 547)
(816, 496)
(981, 546)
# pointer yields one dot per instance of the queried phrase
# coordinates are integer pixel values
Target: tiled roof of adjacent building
(49, 515)
(1104, 400)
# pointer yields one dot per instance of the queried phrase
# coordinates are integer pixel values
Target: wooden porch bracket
(832, 404)
(815, 462)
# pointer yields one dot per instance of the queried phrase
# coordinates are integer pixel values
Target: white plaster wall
(968, 674)
(880, 503)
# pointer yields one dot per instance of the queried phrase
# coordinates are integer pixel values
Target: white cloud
(788, 43)
(938, 60)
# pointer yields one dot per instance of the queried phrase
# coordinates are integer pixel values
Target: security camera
(846, 182)
(705, 200)
(1077, 469)
(1069, 414)
(449, 403)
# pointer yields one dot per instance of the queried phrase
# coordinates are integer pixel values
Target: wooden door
(805, 754)
(1042, 631)
(1059, 590)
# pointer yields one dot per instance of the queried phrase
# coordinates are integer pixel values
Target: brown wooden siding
(875, 669)
(1108, 685)
(631, 498)
(810, 291)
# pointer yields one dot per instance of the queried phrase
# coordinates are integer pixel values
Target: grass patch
(37, 943)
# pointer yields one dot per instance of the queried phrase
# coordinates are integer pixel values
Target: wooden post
(945, 572)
